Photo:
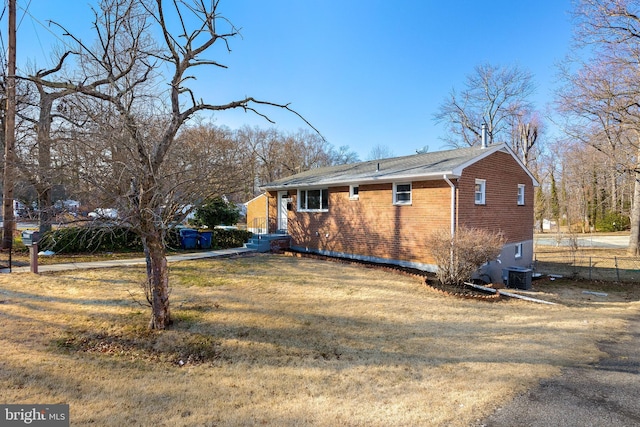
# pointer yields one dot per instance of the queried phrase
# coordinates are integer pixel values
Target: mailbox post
(30, 238)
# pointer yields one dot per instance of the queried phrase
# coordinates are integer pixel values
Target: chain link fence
(605, 268)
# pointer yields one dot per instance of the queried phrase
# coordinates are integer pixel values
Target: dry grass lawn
(283, 341)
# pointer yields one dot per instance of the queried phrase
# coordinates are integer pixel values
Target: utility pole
(8, 225)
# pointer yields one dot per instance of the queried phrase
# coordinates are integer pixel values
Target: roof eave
(368, 180)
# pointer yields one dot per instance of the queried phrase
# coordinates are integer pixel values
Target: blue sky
(363, 72)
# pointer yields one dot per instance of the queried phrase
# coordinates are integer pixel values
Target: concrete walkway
(132, 261)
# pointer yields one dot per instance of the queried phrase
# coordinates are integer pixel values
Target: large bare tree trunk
(634, 238)
(158, 281)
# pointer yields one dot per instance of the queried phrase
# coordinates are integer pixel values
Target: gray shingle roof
(425, 166)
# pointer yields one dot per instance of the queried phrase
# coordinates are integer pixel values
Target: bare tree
(526, 128)
(380, 151)
(601, 101)
(273, 154)
(493, 96)
(343, 155)
(140, 133)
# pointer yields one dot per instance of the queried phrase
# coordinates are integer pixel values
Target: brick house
(382, 210)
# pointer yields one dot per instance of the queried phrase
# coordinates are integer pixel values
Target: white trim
(282, 214)
(306, 190)
(518, 250)
(521, 201)
(256, 198)
(483, 192)
(353, 196)
(402, 202)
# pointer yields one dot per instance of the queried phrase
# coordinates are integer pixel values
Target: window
(354, 192)
(402, 194)
(520, 194)
(481, 187)
(313, 200)
(518, 250)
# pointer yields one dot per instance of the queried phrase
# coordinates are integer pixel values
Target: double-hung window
(313, 200)
(402, 194)
(354, 192)
(520, 194)
(481, 190)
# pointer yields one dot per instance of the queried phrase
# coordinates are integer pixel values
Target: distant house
(383, 210)
(257, 212)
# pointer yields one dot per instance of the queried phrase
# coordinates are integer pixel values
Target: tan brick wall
(256, 212)
(373, 227)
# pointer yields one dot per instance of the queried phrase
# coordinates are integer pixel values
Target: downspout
(453, 204)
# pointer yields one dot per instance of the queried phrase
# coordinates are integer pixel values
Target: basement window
(518, 253)
(481, 189)
(313, 200)
(402, 194)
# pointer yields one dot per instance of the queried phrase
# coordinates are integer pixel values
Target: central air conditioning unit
(517, 277)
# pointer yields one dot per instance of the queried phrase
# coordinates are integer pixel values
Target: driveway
(606, 393)
(614, 241)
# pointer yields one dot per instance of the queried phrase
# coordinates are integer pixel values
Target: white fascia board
(369, 180)
(255, 198)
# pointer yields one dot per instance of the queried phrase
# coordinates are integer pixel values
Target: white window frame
(354, 192)
(482, 192)
(395, 194)
(518, 251)
(521, 188)
(303, 200)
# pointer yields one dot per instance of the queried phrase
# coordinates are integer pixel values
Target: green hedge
(225, 239)
(74, 240)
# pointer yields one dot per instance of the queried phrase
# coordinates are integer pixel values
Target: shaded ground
(605, 393)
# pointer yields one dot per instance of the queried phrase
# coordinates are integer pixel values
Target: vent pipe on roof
(378, 168)
(484, 135)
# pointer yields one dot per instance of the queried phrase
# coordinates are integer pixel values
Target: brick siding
(374, 227)
(500, 211)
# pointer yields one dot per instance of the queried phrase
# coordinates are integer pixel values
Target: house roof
(423, 166)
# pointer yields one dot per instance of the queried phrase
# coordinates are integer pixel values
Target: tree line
(589, 171)
(241, 159)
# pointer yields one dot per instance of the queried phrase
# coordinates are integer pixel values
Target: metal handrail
(259, 226)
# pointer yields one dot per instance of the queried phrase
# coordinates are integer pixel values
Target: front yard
(283, 341)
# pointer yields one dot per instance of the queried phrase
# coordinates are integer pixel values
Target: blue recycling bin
(204, 239)
(188, 238)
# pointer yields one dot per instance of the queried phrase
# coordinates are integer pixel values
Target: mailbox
(29, 237)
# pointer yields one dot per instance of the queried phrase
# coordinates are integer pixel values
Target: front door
(283, 201)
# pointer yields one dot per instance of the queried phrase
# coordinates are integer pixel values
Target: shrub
(224, 239)
(73, 240)
(97, 239)
(458, 257)
(217, 211)
(613, 221)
